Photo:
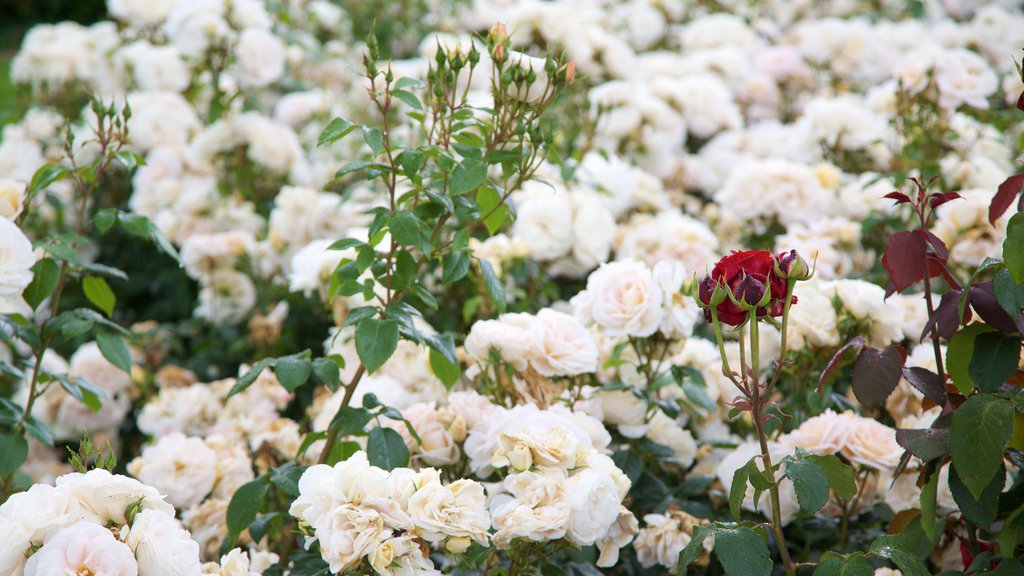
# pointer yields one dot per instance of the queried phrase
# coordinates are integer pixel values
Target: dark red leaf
(983, 300)
(876, 373)
(940, 199)
(1007, 191)
(927, 444)
(1020, 101)
(937, 245)
(899, 197)
(946, 316)
(904, 258)
(927, 382)
(857, 342)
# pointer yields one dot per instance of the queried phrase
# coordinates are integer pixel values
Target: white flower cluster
(94, 523)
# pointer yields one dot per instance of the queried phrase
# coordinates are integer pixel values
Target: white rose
(16, 261)
(622, 298)
(593, 231)
(545, 223)
(537, 508)
(401, 556)
(624, 409)
(435, 446)
(594, 504)
(547, 446)
(681, 311)
(260, 57)
(30, 518)
(823, 434)
(185, 469)
(348, 533)
(141, 13)
(872, 444)
(667, 432)
(562, 346)
(620, 534)
(457, 510)
(83, 548)
(107, 496)
(162, 546)
(510, 335)
(12, 198)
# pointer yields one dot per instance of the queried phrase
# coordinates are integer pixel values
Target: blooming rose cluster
(357, 511)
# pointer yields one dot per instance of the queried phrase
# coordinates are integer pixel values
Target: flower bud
(458, 429)
(474, 56)
(457, 545)
(521, 459)
(791, 266)
(498, 33)
(751, 293)
(710, 292)
(569, 71)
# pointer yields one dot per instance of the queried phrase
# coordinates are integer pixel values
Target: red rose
(747, 274)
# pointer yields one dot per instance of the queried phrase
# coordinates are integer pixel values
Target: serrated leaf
(738, 489)
(293, 371)
(376, 341)
(114, 350)
(928, 499)
(994, 360)
(905, 258)
(925, 443)
(840, 475)
(959, 354)
(854, 565)
(468, 175)
(99, 293)
(45, 274)
(896, 549)
(386, 449)
(982, 511)
(810, 484)
(876, 373)
(335, 130)
(743, 552)
(980, 430)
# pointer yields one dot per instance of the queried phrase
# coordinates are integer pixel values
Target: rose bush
(410, 288)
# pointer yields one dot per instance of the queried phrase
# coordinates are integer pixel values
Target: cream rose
(12, 198)
(16, 261)
(823, 434)
(184, 469)
(456, 510)
(162, 546)
(594, 506)
(872, 444)
(83, 548)
(622, 298)
(537, 508)
(562, 346)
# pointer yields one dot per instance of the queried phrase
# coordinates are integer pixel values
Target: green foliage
(981, 428)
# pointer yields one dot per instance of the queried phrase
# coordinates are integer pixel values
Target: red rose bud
(765, 287)
(710, 292)
(791, 266)
(751, 293)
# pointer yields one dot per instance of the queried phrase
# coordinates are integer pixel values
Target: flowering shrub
(623, 287)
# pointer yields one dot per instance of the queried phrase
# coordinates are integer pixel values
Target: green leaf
(1012, 531)
(134, 224)
(456, 266)
(994, 360)
(492, 210)
(293, 371)
(13, 452)
(840, 475)
(406, 228)
(1013, 255)
(981, 427)
(44, 177)
(242, 509)
(929, 495)
(444, 369)
(853, 565)
(468, 175)
(130, 160)
(158, 238)
(104, 219)
(743, 552)
(738, 489)
(99, 293)
(982, 511)
(495, 289)
(358, 165)
(895, 548)
(694, 548)
(809, 483)
(374, 139)
(959, 353)
(114, 349)
(1009, 294)
(247, 379)
(346, 243)
(376, 341)
(351, 421)
(409, 98)
(336, 130)
(405, 270)
(328, 372)
(386, 449)
(44, 279)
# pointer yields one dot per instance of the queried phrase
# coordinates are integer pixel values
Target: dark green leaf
(959, 353)
(351, 421)
(738, 489)
(376, 341)
(444, 369)
(242, 509)
(13, 452)
(104, 219)
(114, 350)
(456, 266)
(406, 228)
(359, 165)
(809, 483)
(44, 177)
(44, 280)
(854, 565)
(346, 243)
(929, 495)
(743, 552)
(896, 549)
(247, 379)
(1009, 294)
(925, 443)
(981, 427)
(293, 371)
(994, 360)
(982, 511)
(409, 98)
(495, 289)
(840, 475)
(328, 372)
(386, 449)
(374, 139)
